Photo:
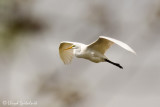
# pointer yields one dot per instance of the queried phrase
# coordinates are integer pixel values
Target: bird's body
(93, 52)
(83, 52)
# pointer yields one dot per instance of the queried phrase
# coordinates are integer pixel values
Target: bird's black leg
(116, 64)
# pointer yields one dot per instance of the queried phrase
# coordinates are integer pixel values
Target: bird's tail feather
(116, 64)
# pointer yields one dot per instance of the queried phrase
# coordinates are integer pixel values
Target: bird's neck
(77, 52)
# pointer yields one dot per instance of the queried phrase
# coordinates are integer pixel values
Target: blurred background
(31, 69)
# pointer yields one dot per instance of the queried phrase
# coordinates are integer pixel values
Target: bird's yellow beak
(69, 48)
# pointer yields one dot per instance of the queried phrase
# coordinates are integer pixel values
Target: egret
(93, 52)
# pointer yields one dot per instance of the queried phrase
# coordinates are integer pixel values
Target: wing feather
(66, 55)
(104, 43)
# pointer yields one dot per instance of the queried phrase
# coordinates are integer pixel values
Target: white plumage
(66, 55)
(93, 52)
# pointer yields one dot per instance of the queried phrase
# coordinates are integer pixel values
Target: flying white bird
(93, 52)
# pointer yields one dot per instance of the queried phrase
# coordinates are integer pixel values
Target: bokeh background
(31, 69)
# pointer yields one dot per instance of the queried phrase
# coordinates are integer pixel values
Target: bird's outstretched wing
(66, 55)
(103, 43)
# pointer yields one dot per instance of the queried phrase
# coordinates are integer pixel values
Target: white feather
(93, 52)
(66, 55)
(120, 43)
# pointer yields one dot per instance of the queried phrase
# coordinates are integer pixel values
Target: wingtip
(133, 52)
